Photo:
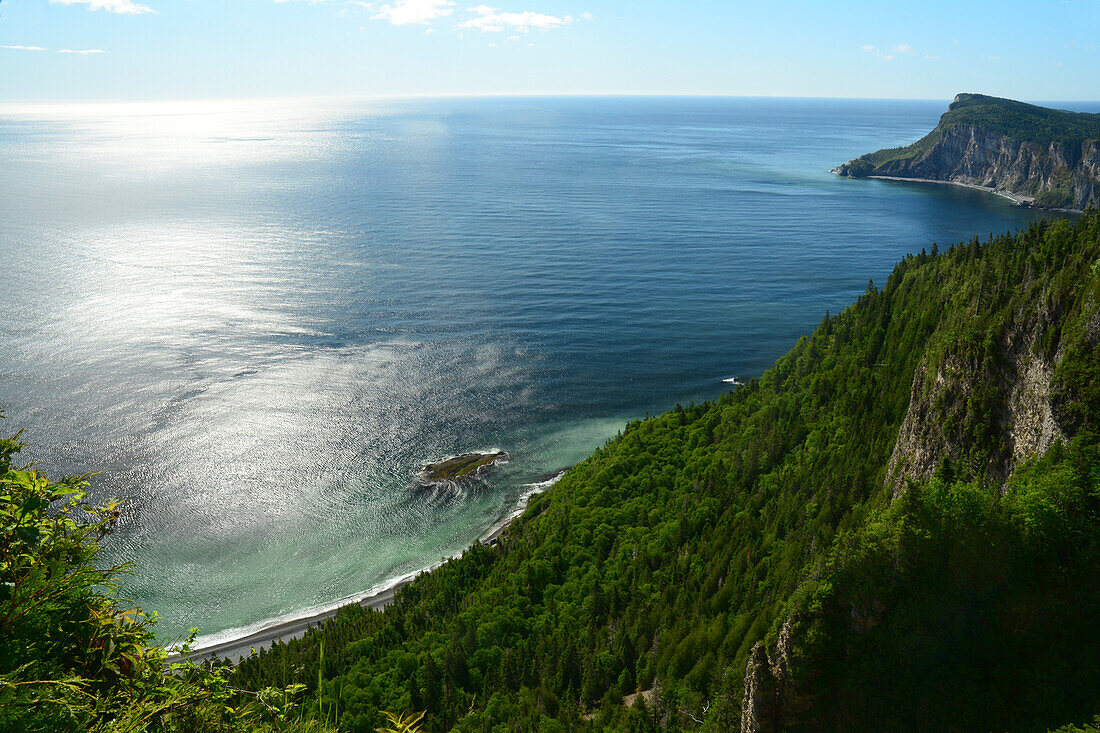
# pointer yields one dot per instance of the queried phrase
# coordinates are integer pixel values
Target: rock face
(1086, 175)
(967, 154)
(1018, 390)
(774, 701)
(758, 707)
(1060, 173)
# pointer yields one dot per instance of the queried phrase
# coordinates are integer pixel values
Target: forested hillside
(960, 596)
(897, 527)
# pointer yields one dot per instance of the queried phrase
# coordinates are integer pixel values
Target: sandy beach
(236, 649)
(240, 647)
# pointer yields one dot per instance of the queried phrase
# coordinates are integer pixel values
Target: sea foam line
(493, 533)
(298, 621)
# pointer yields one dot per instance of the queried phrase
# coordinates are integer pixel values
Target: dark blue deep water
(258, 320)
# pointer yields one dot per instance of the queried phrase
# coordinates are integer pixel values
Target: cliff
(1017, 392)
(1043, 157)
(946, 587)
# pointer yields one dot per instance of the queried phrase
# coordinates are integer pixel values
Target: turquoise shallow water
(258, 320)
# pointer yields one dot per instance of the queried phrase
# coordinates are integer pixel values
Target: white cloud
(412, 12)
(492, 20)
(875, 52)
(889, 55)
(482, 17)
(122, 7)
(80, 51)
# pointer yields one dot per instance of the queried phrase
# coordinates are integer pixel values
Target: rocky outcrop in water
(459, 469)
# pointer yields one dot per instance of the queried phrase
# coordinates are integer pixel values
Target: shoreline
(239, 647)
(236, 649)
(1017, 198)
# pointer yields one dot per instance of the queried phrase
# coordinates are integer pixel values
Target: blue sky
(204, 49)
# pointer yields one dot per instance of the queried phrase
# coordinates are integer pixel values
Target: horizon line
(390, 95)
(482, 95)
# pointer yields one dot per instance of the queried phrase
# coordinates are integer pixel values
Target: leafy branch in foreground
(73, 654)
(401, 722)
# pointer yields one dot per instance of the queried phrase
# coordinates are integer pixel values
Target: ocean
(257, 320)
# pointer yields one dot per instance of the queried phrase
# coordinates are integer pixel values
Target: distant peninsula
(1036, 156)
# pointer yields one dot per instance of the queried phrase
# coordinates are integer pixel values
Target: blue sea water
(257, 320)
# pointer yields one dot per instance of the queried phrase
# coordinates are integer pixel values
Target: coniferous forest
(896, 527)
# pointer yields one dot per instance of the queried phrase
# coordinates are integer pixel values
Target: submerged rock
(465, 467)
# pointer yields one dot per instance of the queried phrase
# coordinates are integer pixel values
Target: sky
(105, 50)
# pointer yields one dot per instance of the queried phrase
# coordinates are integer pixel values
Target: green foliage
(661, 560)
(869, 164)
(1055, 198)
(1022, 122)
(73, 655)
(957, 608)
(401, 722)
(859, 168)
(1093, 727)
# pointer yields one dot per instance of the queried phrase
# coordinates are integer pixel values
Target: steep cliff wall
(1057, 169)
(957, 584)
(775, 698)
(1086, 175)
(759, 708)
(1014, 392)
(967, 154)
